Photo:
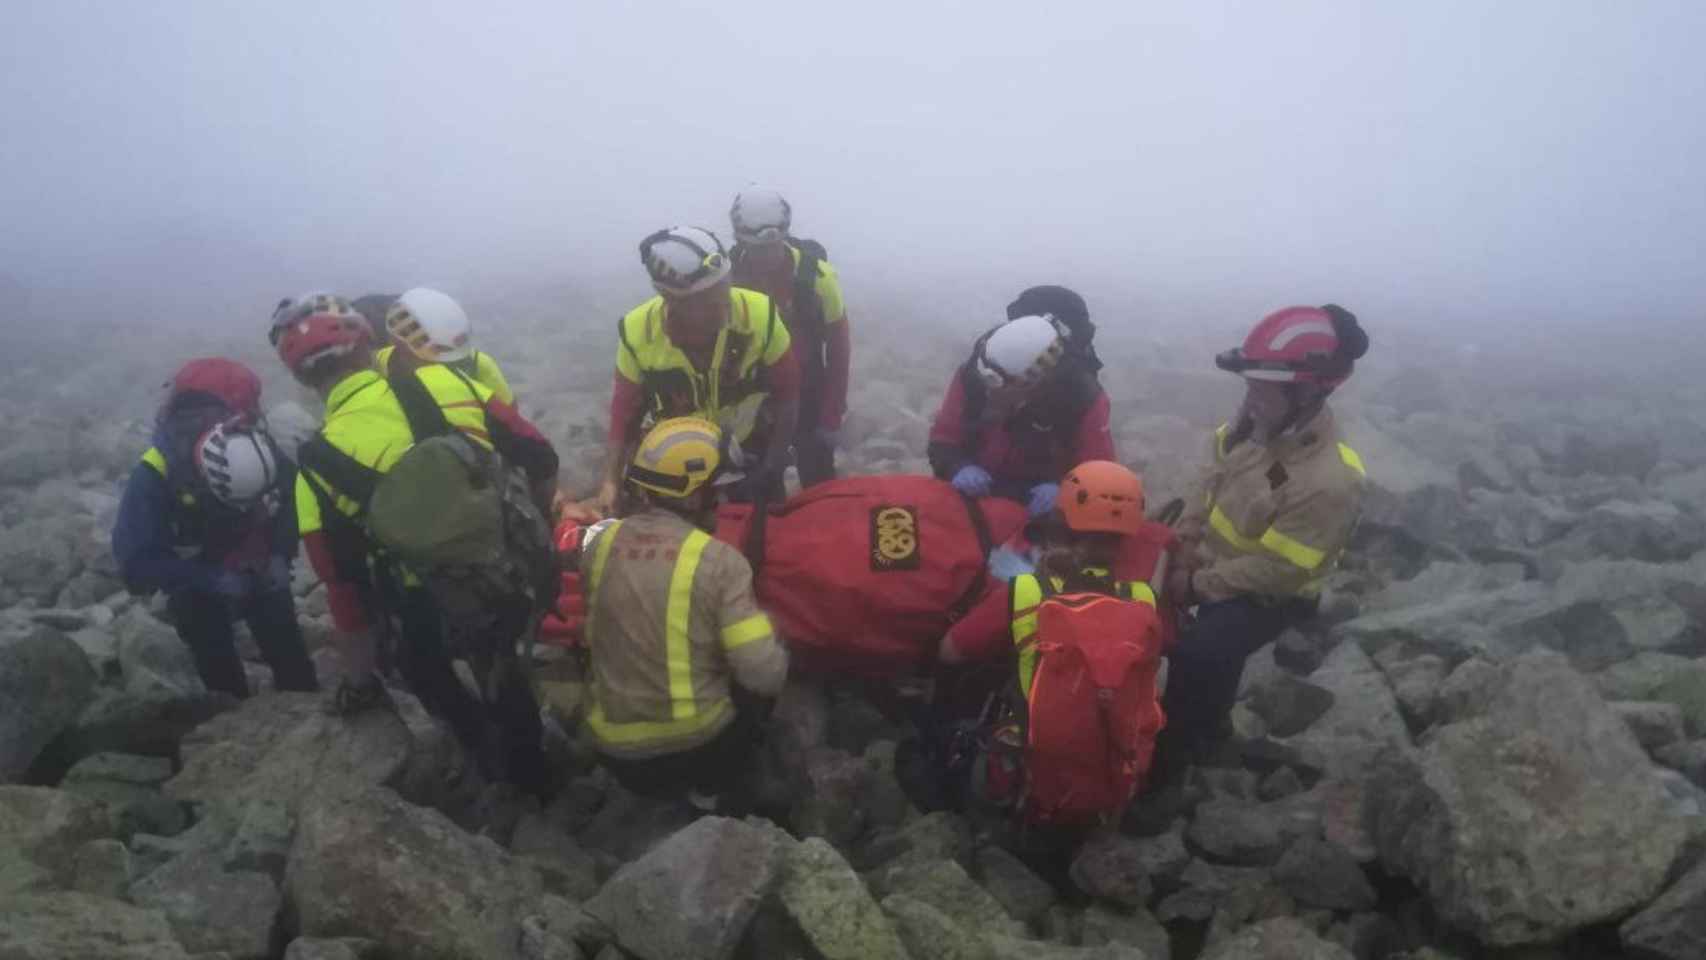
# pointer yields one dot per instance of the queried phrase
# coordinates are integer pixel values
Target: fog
(1516, 166)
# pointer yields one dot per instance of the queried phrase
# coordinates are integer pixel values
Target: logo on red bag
(894, 539)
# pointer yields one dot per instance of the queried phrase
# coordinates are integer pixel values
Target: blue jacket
(174, 536)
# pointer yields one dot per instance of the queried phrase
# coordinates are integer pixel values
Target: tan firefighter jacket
(1273, 520)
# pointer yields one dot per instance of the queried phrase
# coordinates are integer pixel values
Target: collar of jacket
(1305, 440)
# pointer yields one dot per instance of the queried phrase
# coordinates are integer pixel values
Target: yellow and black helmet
(677, 457)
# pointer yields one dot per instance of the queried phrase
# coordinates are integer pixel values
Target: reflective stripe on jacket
(671, 624)
(480, 366)
(1276, 517)
(1027, 593)
(735, 383)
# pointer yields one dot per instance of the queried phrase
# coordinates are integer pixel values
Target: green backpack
(455, 516)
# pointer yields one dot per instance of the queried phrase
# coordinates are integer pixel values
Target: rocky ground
(1492, 744)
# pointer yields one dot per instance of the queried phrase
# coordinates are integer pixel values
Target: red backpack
(1093, 709)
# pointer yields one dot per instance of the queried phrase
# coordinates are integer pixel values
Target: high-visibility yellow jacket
(671, 624)
(1027, 593)
(736, 382)
(480, 366)
(1274, 518)
(366, 432)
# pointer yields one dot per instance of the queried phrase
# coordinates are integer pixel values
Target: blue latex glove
(1006, 563)
(1043, 496)
(973, 481)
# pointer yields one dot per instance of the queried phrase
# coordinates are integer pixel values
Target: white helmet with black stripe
(683, 261)
(237, 463)
(1021, 352)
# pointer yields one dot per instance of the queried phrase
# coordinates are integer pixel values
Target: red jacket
(1065, 425)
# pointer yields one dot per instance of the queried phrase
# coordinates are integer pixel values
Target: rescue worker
(1269, 519)
(703, 348)
(1085, 539)
(431, 327)
(797, 277)
(326, 345)
(684, 664)
(1017, 416)
(207, 516)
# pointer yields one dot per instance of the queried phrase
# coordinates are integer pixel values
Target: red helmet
(319, 327)
(1318, 345)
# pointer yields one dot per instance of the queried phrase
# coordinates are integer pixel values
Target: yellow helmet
(677, 457)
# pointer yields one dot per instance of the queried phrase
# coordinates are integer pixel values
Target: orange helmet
(1100, 496)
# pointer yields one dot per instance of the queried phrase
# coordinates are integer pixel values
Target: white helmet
(431, 325)
(684, 260)
(760, 216)
(237, 462)
(1020, 352)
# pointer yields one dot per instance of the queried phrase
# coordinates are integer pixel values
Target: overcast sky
(1539, 161)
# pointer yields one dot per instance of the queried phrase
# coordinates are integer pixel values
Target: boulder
(832, 908)
(1238, 833)
(1362, 727)
(339, 948)
(73, 926)
(928, 933)
(829, 805)
(41, 831)
(1688, 759)
(1416, 681)
(102, 869)
(1271, 939)
(1136, 928)
(129, 786)
(933, 836)
(212, 909)
(1289, 705)
(1124, 870)
(1209, 890)
(1317, 873)
(154, 661)
(1656, 531)
(566, 867)
(945, 885)
(1586, 632)
(1504, 810)
(37, 558)
(45, 682)
(283, 748)
(368, 864)
(1654, 725)
(1026, 896)
(1673, 927)
(692, 896)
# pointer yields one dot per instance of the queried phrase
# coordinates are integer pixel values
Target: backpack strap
(325, 464)
(980, 525)
(426, 418)
(805, 286)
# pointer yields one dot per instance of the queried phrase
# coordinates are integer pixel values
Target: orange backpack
(1093, 710)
